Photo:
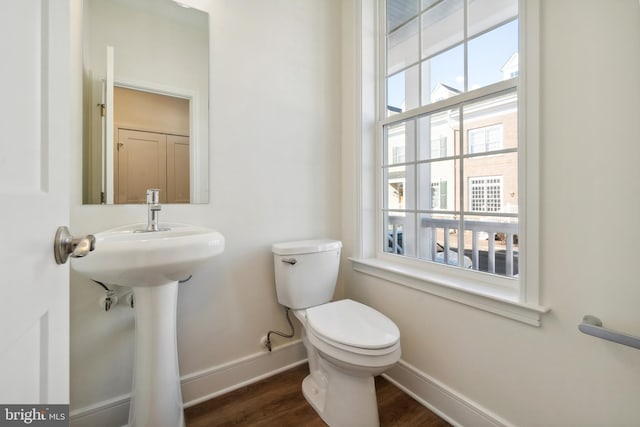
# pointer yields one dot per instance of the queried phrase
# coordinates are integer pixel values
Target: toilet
(347, 342)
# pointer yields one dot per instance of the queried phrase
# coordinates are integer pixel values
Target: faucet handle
(153, 196)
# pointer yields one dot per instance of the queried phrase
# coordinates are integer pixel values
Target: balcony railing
(435, 244)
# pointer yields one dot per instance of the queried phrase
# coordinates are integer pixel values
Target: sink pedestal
(152, 263)
(156, 399)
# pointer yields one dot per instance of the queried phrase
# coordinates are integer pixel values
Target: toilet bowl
(347, 342)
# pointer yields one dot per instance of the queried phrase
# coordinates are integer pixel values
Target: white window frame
(519, 303)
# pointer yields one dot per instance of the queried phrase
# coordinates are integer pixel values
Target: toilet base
(313, 394)
(345, 400)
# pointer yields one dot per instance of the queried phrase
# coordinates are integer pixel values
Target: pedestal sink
(152, 263)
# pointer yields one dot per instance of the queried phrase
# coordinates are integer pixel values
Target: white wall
(509, 372)
(274, 176)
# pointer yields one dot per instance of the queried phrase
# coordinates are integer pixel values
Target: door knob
(65, 245)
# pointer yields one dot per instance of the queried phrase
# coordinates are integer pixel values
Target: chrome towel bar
(591, 325)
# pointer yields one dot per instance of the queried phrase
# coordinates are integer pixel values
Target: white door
(34, 200)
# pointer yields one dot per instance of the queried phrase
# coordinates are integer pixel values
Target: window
(485, 139)
(486, 194)
(451, 109)
(433, 89)
(437, 82)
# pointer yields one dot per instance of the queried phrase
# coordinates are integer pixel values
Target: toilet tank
(306, 271)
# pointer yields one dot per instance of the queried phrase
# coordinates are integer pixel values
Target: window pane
(439, 240)
(486, 14)
(443, 75)
(399, 187)
(394, 187)
(402, 91)
(399, 181)
(400, 236)
(493, 56)
(437, 185)
(491, 124)
(437, 135)
(491, 183)
(402, 47)
(399, 143)
(400, 11)
(492, 244)
(488, 138)
(442, 27)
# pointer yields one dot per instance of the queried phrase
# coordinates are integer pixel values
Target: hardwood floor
(278, 401)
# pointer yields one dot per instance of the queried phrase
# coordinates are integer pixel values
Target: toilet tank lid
(300, 247)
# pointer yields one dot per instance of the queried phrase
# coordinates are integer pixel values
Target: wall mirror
(145, 101)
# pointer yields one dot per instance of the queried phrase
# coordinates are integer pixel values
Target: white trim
(501, 301)
(202, 385)
(447, 403)
(366, 130)
(529, 161)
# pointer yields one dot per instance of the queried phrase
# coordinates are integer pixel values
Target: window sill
(503, 302)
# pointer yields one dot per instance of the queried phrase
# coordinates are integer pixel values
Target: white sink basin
(129, 258)
(152, 263)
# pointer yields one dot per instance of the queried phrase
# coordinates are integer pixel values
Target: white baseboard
(441, 399)
(200, 386)
(109, 413)
(207, 384)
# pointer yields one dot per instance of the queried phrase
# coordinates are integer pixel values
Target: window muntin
(459, 178)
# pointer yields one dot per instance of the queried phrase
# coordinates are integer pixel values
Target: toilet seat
(354, 327)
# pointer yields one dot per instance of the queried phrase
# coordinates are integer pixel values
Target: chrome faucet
(153, 208)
